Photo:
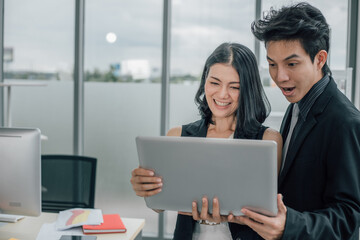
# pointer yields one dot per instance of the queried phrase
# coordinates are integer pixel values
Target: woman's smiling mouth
(221, 103)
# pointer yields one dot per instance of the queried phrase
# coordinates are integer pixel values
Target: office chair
(67, 182)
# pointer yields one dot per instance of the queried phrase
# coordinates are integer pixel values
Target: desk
(28, 228)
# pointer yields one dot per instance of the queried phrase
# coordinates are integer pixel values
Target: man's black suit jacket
(320, 181)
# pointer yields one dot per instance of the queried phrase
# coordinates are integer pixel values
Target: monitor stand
(10, 217)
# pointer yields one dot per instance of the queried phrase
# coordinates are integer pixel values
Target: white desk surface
(28, 228)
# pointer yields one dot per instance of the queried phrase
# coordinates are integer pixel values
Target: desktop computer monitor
(20, 171)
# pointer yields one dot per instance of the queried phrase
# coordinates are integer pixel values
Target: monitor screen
(20, 171)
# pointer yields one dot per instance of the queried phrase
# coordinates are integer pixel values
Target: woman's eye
(214, 83)
(237, 88)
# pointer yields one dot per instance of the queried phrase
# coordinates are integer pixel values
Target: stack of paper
(77, 217)
(78, 221)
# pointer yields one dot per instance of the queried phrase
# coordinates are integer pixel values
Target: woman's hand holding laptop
(144, 183)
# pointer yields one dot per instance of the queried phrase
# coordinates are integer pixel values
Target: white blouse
(212, 232)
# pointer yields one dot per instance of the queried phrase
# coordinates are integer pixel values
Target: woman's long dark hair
(253, 105)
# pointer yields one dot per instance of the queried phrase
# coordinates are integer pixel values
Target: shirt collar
(309, 99)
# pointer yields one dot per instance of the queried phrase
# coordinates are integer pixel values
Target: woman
(232, 104)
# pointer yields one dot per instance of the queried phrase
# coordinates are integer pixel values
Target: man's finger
(232, 218)
(249, 222)
(281, 205)
(255, 216)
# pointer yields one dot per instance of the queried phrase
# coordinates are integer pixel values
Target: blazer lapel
(286, 122)
(310, 122)
(296, 144)
(284, 129)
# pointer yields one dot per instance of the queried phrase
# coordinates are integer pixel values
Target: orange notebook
(112, 224)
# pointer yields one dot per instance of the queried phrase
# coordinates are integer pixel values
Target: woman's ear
(320, 59)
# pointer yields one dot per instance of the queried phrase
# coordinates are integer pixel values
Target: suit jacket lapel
(295, 145)
(284, 128)
(309, 123)
(286, 121)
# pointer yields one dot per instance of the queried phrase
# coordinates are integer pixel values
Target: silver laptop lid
(241, 173)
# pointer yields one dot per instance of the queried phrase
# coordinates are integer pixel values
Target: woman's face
(222, 88)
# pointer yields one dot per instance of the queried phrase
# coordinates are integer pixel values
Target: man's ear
(320, 59)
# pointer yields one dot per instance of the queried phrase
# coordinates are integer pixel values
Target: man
(320, 174)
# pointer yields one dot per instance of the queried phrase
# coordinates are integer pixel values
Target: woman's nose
(223, 92)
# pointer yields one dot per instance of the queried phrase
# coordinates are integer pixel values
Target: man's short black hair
(301, 22)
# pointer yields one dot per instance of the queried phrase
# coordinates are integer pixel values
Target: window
(122, 97)
(198, 27)
(123, 41)
(38, 43)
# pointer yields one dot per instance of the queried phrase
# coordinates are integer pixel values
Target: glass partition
(38, 59)
(123, 41)
(198, 27)
(122, 97)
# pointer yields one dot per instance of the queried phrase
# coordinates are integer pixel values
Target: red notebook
(112, 224)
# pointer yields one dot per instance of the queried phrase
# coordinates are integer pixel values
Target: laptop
(241, 173)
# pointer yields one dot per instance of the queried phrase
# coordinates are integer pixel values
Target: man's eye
(292, 64)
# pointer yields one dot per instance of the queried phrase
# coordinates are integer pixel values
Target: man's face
(292, 69)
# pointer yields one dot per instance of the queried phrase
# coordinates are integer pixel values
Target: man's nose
(282, 75)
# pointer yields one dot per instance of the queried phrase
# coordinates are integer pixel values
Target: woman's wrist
(206, 222)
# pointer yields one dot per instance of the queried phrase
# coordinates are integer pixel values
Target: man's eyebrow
(287, 58)
(269, 58)
(292, 56)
